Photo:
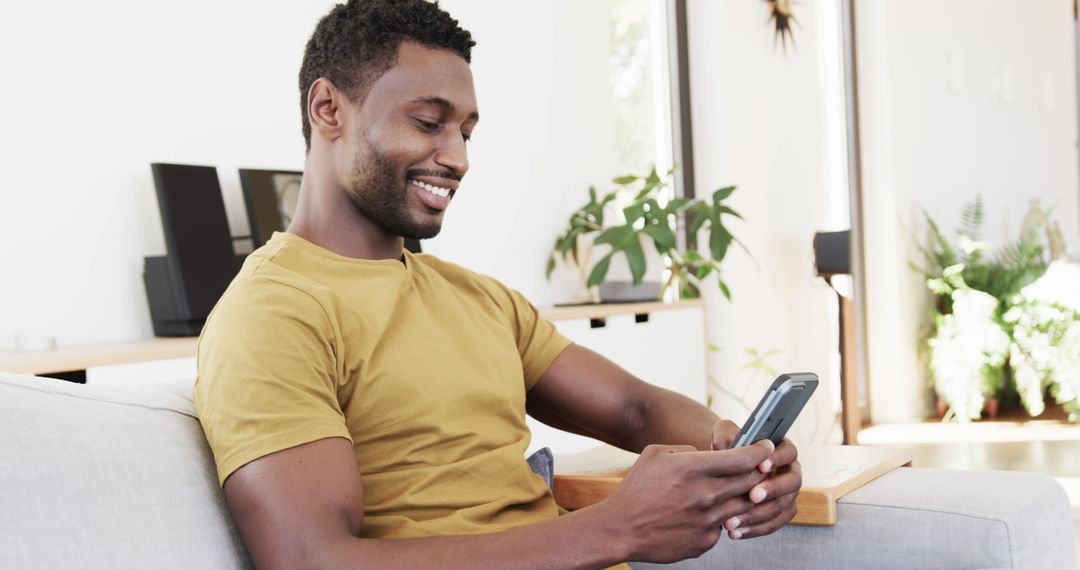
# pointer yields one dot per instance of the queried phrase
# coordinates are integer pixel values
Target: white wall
(95, 92)
(546, 133)
(762, 120)
(959, 97)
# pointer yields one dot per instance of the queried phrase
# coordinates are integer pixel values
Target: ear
(326, 109)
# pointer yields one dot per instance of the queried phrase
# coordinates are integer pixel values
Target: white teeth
(436, 190)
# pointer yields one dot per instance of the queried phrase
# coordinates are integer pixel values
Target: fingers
(731, 509)
(785, 454)
(755, 515)
(774, 505)
(724, 433)
(731, 461)
(788, 481)
(762, 519)
(728, 496)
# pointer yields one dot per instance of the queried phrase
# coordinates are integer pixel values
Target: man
(366, 406)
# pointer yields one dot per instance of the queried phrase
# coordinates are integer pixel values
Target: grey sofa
(107, 478)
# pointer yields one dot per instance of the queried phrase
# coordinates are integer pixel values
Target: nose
(453, 155)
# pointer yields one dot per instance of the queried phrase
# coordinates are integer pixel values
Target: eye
(426, 125)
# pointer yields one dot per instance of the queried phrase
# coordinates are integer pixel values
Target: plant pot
(627, 292)
(990, 408)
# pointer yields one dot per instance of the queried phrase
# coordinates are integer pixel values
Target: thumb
(723, 435)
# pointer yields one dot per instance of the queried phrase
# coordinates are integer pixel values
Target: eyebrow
(443, 104)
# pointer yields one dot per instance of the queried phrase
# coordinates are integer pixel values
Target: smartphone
(778, 409)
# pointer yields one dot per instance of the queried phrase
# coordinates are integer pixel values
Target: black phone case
(778, 409)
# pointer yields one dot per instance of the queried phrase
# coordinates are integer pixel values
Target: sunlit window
(640, 85)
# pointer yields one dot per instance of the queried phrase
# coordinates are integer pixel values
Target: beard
(380, 195)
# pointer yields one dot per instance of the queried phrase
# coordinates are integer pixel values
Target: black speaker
(184, 285)
(832, 253)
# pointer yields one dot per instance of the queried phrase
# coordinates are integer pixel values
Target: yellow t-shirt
(423, 365)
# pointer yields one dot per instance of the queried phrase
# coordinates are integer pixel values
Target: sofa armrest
(922, 518)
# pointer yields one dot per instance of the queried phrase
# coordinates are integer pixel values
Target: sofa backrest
(108, 478)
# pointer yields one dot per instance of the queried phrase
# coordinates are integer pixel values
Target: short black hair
(356, 42)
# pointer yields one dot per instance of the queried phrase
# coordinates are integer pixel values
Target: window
(640, 85)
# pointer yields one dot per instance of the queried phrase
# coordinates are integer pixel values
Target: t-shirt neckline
(405, 262)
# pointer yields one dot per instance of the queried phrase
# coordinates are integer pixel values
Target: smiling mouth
(436, 190)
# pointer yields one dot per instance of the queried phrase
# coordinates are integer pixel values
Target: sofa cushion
(108, 478)
(922, 518)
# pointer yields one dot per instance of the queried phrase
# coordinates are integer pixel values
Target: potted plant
(645, 217)
(1001, 330)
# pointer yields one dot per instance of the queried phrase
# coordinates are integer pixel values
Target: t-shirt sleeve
(538, 341)
(267, 374)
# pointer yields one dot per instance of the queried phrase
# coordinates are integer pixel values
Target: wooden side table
(829, 472)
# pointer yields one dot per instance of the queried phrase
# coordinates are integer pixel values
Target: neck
(325, 216)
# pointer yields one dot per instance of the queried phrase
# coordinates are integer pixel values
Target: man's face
(408, 145)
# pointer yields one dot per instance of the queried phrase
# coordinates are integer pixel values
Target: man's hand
(674, 501)
(584, 393)
(773, 498)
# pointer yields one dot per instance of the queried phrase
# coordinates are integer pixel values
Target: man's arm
(303, 507)
(585, 393)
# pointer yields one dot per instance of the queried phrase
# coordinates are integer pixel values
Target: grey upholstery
(100, 478)
(94, 478)
(923, 518)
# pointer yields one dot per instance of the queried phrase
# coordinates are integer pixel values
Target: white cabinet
(142, 373)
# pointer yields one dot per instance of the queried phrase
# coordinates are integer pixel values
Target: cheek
(400, 145)
(414, 148)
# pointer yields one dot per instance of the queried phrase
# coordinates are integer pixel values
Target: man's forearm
(585, 393)
(587, 538)
(670, 418)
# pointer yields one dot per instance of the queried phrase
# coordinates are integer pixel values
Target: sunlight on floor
(996, 431)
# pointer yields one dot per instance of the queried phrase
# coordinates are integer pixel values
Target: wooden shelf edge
(81, 357)
(604, 310)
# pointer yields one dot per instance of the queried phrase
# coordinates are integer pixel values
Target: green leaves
(635, 257)
(677, 204)
(645, 219)
(722, 194)
(662, 235)
(600, 271)
(719, 240)
(724, 289)
(969, 263)
(621, 239)
(616, 237)
(989, 283)
(585, 220)
(971, 219)
(759, 361)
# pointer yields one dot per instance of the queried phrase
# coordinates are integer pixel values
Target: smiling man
(366, 406)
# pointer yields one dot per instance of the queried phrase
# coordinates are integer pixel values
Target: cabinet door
(667, 350)
(142, 373)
